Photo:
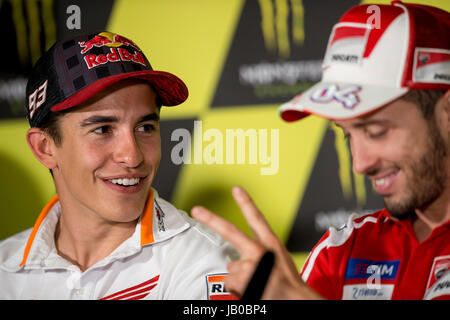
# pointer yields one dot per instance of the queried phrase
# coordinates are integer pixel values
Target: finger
(242, 267)
(246, 246)
(258, 281)
(236, 283)
(240, 272)
(259, 225)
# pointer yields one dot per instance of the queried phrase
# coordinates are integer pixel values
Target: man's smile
(383, 182)
(125, 184)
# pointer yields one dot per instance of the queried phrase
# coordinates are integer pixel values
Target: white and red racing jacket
(378, 257)
(169, 256)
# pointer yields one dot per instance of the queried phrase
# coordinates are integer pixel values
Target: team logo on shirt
(137, 292)
(440, 290)
(216, 287)
(160, 216)
(440, 266)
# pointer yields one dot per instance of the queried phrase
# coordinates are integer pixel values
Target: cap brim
(170, 89)
(343, 101)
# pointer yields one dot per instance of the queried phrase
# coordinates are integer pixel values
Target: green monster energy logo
(274, 25)
(29, 41)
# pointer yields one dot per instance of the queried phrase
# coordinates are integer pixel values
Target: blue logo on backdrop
(363, 269)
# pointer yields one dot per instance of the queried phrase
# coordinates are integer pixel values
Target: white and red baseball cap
(375, 54)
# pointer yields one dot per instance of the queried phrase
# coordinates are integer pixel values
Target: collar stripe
(36, 226)
(146, 224)
(147, 221)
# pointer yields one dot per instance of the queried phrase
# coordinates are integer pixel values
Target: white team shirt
(169, 256)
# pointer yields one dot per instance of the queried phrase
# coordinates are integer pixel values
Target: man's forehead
(396, 112)
(129, 99)
(386, 113)
(96, 113)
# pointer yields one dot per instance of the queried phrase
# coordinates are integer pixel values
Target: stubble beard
(425, 177)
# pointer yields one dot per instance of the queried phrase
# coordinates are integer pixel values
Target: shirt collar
(407, 223)
(158, 222)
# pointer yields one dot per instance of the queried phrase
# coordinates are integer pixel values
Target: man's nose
(365, 158)
(127, 151)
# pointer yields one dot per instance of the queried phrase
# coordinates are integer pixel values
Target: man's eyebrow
(98, 119)
(364, 123)
(149, 117)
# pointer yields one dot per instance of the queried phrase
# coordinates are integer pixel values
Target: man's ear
(42, 146)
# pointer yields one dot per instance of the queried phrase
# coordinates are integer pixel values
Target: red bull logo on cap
(106, 39)
(114, 41)
(115, 54)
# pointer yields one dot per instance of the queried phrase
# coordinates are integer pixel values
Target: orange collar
(146, 224)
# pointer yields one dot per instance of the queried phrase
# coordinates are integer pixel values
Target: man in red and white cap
(387, 87)
(93, 104)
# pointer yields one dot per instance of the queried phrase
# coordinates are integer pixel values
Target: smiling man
(93, 107)
(402, 152)
(388, 88)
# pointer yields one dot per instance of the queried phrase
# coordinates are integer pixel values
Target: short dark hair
(425, 100)
(50, 125)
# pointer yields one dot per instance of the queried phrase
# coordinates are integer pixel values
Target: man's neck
(432, 216)
(84, 240)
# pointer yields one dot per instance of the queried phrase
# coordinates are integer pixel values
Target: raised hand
(284, 281)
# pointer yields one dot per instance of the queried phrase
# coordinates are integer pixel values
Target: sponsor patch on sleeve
(216, 287)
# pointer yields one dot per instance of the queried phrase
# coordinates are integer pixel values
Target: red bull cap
(372, 60)
(75, 69)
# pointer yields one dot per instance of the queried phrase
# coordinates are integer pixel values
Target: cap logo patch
(347, 44)
(431, 65)
(347, 96)
(114, 42)
(106, 39)
(37, 98)
(118, 54)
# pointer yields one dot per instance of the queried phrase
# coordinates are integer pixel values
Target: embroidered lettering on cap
(431, 65)
(116, 54)
(37, 98)
(346, 96)
(347, 44)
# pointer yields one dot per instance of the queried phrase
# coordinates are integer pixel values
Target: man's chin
(399, 209)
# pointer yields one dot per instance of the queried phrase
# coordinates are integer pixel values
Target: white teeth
(380, 182)
(126, 181)
(385, 180)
